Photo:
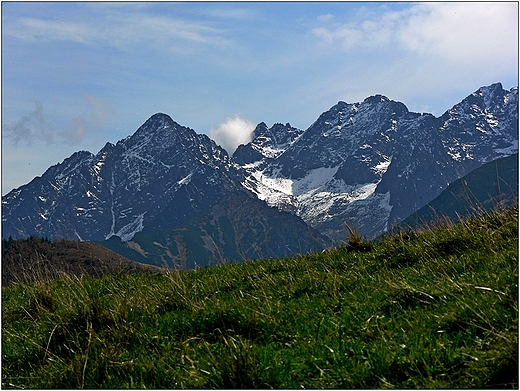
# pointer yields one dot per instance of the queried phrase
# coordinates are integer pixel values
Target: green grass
(430, 309)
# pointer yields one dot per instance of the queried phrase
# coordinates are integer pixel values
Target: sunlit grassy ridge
(430, 309)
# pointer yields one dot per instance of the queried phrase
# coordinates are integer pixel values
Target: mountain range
(169, 196)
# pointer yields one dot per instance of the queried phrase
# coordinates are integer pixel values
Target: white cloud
(463, 31)
(233, 132)
(457, 32)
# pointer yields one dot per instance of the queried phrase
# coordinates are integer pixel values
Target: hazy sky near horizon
(76, 75)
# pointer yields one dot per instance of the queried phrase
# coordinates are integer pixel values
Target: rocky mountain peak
(491, 97)
(378, 98)
(158, 121)
(267, 143)
(70, 164)
(491, 90)
(337, 110)
(160, 127)
(260, 130)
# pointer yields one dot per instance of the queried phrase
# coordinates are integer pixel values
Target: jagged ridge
(375, 162)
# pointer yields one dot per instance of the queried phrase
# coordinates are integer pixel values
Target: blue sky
(76, 75)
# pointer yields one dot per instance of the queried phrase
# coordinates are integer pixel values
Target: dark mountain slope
(237, 228)
(493, 184)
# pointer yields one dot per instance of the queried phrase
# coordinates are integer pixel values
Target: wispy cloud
(38, 30)
(34, 126)
(325, 17)
(361, 33)
(99, 115)
(30, 127)
(234, 13)
(233, 132)
(117, 27)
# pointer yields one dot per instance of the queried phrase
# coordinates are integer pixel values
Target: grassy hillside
(431, 309)
(39, 259)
